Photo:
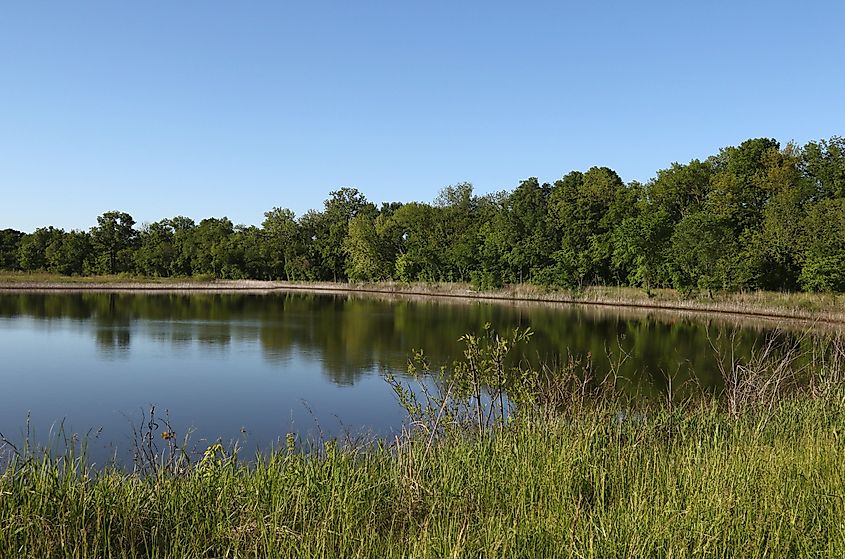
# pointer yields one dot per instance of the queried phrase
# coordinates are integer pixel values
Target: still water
(253, 367)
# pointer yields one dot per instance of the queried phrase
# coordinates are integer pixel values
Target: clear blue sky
(231, 108)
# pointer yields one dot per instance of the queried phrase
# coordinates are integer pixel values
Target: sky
(213, 108)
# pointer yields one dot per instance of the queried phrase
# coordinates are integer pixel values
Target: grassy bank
(826, 307)
(806, 306)
(576, 470)
(685, 483)
(46, 279)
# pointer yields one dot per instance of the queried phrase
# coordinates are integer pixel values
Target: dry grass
(815, 307)
(15, 281)
(763, 304)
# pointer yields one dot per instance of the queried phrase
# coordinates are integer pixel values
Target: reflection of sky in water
(223, 386)
(268, 365)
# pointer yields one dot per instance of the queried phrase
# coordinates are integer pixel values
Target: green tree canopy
(113, 240)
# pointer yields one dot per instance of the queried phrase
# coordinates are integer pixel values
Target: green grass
(578, 470)
(688, 482)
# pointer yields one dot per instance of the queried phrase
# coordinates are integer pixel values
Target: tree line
(754, 216)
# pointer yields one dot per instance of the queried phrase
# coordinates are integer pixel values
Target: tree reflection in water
(352, 335)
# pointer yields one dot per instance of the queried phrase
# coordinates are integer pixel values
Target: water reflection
(352, 335)
(266, 364)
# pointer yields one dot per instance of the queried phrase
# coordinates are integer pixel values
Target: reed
(580, 473)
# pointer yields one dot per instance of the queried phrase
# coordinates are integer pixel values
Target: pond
(252, 367)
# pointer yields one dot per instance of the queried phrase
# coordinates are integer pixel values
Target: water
(253, 367)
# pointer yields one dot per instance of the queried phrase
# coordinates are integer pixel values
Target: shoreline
(829, 308)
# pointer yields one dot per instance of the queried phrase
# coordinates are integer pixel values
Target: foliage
(9, 242)
(754, 216)
(823, 253)
(113, 240)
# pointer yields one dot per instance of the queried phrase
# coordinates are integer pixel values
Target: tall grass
(580, 474)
